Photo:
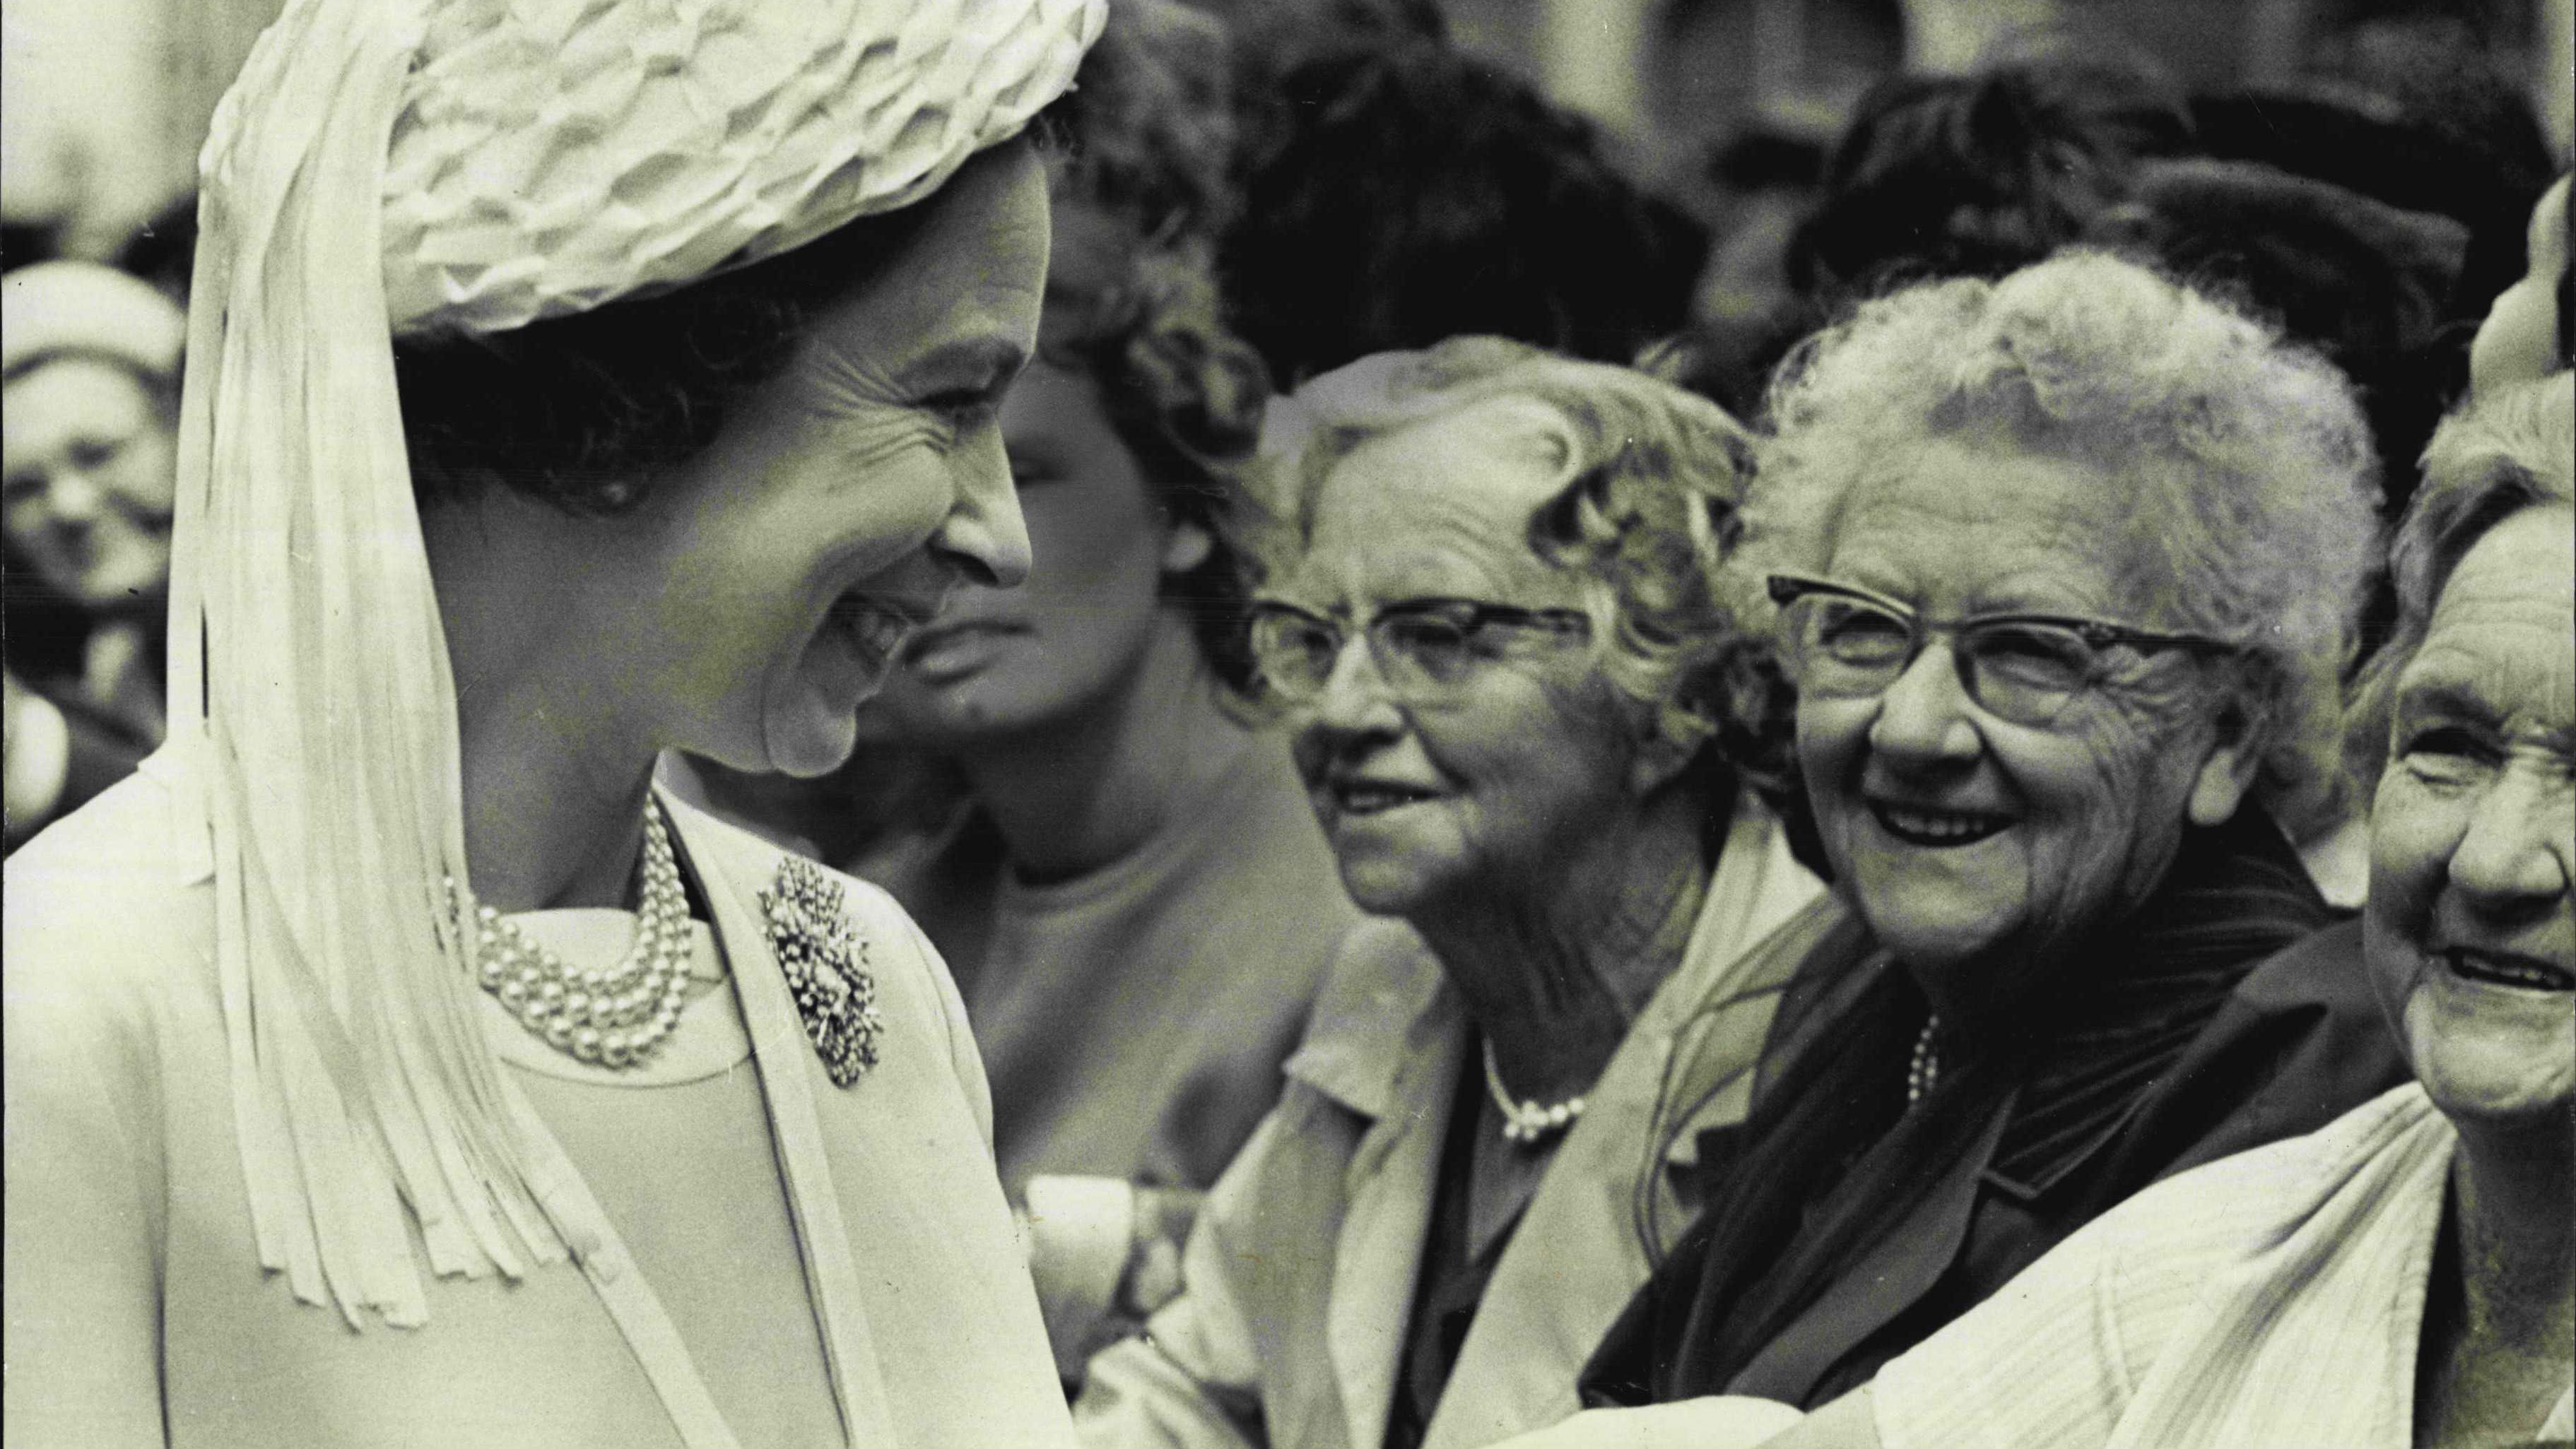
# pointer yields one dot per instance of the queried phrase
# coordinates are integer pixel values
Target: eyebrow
(968, 362)
(2439, 698)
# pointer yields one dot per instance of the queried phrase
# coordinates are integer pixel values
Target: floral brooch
(826, 964)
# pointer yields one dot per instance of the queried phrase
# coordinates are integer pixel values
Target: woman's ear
(2226, 773)
(1186, 547)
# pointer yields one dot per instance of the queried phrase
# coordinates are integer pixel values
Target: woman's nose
(984, 537)
(72, 497)
(1924, 713)
(1355, 698)
(2515, 853)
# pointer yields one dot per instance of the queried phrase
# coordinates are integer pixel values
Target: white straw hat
(385, 165)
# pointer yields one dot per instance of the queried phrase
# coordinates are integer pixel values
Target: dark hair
(581, 412)
(1132, 304)
(1979, 175)
(2367, 284)
(1185, 397)
(1398, 192)
(2434, 131)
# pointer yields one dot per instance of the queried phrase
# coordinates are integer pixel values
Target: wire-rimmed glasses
(1423, 648)
(1847, 642)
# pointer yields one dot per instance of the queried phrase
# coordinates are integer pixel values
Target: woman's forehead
(2520, 577)
(1496, 458)
(1442, 505)
(1950, 512)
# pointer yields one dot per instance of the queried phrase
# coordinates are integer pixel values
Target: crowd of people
(1137, 723)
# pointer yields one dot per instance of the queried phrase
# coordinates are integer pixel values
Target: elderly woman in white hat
(388, 1058)
(89, 410)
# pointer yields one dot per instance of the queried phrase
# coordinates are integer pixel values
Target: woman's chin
(1927, 938)
(811, 737)
(1385, 883)
(2499, 1066)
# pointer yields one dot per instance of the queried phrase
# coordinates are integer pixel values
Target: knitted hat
(418, 165)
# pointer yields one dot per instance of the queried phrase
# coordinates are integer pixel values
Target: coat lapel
(789, 1070)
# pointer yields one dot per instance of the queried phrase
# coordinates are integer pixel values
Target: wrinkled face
(2518, 342)
(1965, 839)
(781, 569)
(2470, 928)
(91, 481)
(1433, 802)
(998, 662)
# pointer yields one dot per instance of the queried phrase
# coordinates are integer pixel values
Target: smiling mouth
(878, 627)
(2497, 968)
(1376, 797)
(930, 640)
(1937, 829)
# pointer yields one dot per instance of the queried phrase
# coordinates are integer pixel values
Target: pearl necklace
(1924, 1072)
(618, 1017)
(1527, 1123)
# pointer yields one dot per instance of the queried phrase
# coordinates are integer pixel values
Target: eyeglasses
(1846, 642)
(1423, 648)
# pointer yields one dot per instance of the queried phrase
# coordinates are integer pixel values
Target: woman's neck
(1075, 794)
(1554, 978)
(554, 814)
(555, 767)
(2500, 1336)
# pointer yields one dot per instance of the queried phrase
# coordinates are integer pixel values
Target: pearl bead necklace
(1924, 1072)
(1527, 1122)
(618, 1017)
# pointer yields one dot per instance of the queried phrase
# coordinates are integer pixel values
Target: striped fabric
(2273, 1298)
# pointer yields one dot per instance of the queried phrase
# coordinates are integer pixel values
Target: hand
(1725, 1422)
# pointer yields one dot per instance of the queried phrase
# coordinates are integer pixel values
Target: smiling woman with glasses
(2064, 569)
(1485, 605)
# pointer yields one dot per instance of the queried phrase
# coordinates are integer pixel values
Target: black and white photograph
(1288, 724)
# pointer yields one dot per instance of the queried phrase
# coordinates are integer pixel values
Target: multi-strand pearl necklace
(1924, 1072)
(618, 1017)
(1527, 1122)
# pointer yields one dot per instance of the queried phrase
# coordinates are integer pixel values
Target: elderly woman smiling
(1486, 607)
(2065, 566)
(2405, 1276)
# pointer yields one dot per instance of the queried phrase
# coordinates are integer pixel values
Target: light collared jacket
(1299, 1276)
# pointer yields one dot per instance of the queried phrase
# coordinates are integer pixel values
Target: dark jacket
(1843, 1226)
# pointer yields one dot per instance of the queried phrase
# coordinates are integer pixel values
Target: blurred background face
(91, 476)
(1431, 801)
(1958, 833)
(2470, 929)
(998, 662)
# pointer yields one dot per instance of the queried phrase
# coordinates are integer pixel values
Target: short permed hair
(1649, 479)
(2486, 463)
(2244, 463)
